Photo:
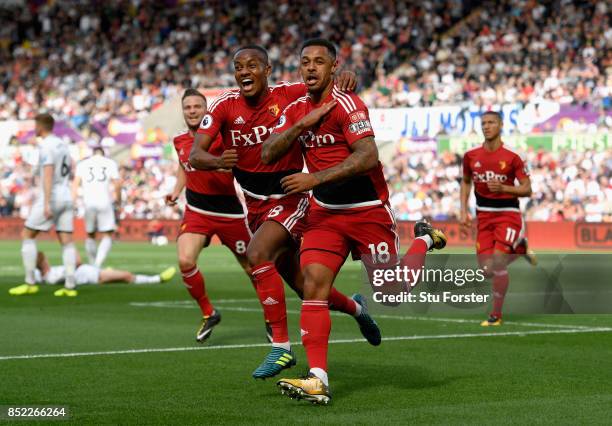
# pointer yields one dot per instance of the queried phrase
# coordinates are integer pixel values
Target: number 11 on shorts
(510, 234)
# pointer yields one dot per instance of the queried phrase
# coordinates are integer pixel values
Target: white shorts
(84, 274)
(99, 219)
(62, 216)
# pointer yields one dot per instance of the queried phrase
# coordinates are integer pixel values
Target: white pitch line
(338, 341)
(189, 305)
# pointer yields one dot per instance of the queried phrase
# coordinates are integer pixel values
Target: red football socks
(271, 292)
(414, 258)
(340, 302)
(194, 281)
(500, 287)
(315, 324)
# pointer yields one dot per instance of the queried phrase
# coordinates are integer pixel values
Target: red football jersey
(503, 165)
(208, 191)
(245, 128)
(329, 144)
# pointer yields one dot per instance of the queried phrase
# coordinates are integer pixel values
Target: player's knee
(315, 284)
(256, 255)
(499, 261)
(186, 262)
(28, 234)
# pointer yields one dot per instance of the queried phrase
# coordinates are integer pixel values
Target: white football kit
(96, 174)
(53, 151)
(84, 274)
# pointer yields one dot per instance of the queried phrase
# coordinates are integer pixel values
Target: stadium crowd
(573, 186)
(124, 58)
(127, 57)
(507, 52)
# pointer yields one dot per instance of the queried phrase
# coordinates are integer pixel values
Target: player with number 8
(212, 208)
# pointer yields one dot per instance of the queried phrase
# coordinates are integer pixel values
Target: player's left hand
(347, 81)
(298, 182)
(495, 186)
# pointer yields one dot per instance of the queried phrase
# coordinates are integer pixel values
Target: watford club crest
(274, 110)
(502, 165)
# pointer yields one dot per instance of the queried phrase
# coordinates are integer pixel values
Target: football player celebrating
(493, 167)
(213, 208)
(349, 209)
(244, 118)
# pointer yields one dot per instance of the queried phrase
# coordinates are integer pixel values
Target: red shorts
(233, 232)
(289, 211)
(498, 231)
(332, 234)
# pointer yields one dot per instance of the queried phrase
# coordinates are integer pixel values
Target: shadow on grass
(398, 373)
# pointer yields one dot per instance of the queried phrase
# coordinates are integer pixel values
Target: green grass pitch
(76, 352)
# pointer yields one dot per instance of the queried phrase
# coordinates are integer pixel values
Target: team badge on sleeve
(206, 122)
(281, 121)
(359, 123)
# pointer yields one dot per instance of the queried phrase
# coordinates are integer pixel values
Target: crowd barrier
(542, 235)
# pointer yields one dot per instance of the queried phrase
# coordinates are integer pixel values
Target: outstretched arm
(363, 158)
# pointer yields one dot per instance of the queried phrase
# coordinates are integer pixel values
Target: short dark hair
(496, 114)
(99, 149)
(258, 48)
(331, 49)
(193, 92)
(46, 121)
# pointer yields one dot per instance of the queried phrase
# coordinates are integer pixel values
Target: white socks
(103, 249)
(69, 259)
(285, 345)
(146, 279)
(357, 309)
(28, 254)
(91, 249)
(321, 374)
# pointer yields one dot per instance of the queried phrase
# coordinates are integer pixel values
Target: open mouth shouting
(247, 84)
(312, 79)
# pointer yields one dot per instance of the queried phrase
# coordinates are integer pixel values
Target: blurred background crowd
(89, 61)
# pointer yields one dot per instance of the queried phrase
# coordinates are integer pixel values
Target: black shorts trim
(356, 190)
(224, 204)
(496, 203)
(262, 183)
